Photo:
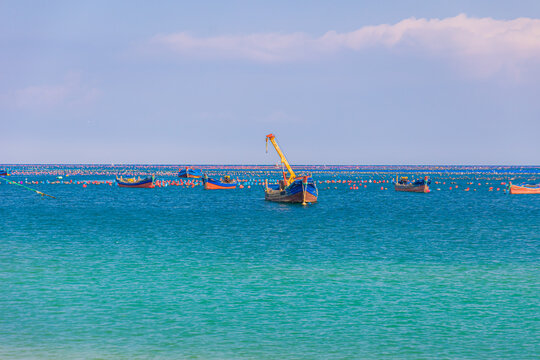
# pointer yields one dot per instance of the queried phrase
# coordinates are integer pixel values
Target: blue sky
(342, 82)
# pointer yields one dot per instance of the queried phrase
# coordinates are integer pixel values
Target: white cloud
(69, 92)
(482, 44)
(259, 47)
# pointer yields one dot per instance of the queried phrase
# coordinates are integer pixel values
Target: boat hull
(213, 184)
(277, 196)
(524, 189)
(424, 188)
(293, 193)
(147, 183)
(139, 186)
(189, 176)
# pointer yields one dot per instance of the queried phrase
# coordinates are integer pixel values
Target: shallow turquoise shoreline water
(174, 273)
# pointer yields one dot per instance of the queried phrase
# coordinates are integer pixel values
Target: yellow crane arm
(272, 139)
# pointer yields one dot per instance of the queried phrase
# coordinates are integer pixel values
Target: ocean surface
(177, 272)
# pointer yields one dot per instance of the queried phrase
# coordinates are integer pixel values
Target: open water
(182, 273)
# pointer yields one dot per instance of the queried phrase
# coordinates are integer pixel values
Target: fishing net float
(27, 188)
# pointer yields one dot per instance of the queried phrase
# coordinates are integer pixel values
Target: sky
(338, 82)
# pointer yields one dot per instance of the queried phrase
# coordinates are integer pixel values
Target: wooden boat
(147, 182)
(524, 188)
(302, 190)
(418, 186)
(190, 173)
(292, 189)
(213, 184)
(4, 172)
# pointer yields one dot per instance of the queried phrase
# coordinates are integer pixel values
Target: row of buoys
(243, 183)
(468, 189)
(256, 177)
(349, 181)
(461, 169)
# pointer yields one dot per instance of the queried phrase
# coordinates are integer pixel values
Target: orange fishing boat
(524, 188)
(221, 184)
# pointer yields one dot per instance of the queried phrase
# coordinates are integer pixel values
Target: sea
(177, 272)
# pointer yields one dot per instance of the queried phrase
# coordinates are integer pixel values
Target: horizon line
(267, 165)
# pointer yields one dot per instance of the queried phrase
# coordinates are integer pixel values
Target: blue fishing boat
(418, 186)
(301, 190)
(147, 183)
(190, 173)
(221, 184)
(292, 189)
(4, 172)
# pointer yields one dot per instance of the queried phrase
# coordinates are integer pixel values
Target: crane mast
(284, 161)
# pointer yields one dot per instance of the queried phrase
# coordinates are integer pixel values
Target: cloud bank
(70, 92)
(486, 44)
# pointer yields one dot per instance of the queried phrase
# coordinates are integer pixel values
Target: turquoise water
(181, 273)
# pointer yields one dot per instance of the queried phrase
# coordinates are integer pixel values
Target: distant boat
(147, 182)
(213, 184)
(190, 173)
(524, 188)
(419, 186)
(292, 189)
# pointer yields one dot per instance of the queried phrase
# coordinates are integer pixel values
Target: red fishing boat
(418, 186)
(524, 188)
(147, 182)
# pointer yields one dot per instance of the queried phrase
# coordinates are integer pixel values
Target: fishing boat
(4, 172)
(213, 184)
(190, 173)
(139, 182)
(524, 188)
(418, 186)
(292, 189)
